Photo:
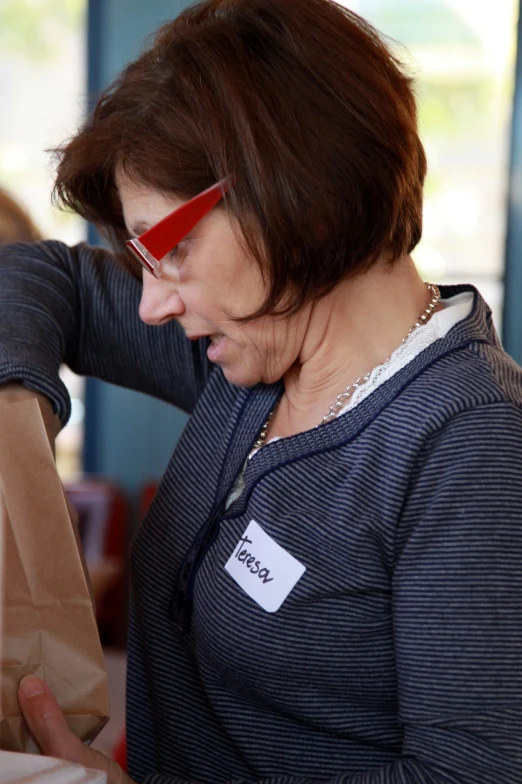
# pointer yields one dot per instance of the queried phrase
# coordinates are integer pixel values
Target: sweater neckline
(437, 327)
(257, 402)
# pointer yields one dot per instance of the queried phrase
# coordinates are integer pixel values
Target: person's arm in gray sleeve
(78, 306)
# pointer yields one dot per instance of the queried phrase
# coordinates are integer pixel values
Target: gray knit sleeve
(77, 306)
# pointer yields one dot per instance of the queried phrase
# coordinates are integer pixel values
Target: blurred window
(462, 56)
(42, 94)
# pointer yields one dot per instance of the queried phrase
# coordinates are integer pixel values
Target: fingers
(50, 730)
(47, 724)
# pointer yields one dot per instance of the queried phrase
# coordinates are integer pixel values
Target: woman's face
(208, 280)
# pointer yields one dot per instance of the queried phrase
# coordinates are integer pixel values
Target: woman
(328, 583)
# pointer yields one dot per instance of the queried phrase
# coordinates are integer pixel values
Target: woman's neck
(349, 332)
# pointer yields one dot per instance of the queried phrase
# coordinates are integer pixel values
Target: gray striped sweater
(397, 655)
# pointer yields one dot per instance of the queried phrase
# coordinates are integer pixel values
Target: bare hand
(49, 728)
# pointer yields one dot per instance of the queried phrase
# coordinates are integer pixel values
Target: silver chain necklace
(348, 392)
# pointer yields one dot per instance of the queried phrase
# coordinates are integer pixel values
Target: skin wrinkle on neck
(349, 332)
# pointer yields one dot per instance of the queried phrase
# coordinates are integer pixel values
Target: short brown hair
(301, 101)
(15, 223)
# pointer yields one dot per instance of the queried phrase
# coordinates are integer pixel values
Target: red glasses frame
(149, 248)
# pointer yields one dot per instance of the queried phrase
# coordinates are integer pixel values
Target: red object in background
(103, 523)
(148, 491)
(119, 753)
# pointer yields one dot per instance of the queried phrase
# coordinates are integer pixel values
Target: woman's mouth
(216, 348)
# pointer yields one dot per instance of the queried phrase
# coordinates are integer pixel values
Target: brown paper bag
(47, 623)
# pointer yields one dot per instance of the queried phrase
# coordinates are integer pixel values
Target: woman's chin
(240, 374)
(237, 368)
(240, 377)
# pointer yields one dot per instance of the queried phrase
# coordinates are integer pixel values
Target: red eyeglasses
(149, 248)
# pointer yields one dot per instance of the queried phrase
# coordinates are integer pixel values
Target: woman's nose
(160, 301)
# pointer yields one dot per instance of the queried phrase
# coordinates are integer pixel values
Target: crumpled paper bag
(47, 621)
(25, 769)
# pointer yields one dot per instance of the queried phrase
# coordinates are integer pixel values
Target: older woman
(328, 584)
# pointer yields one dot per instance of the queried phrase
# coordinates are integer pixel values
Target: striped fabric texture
(397, 656)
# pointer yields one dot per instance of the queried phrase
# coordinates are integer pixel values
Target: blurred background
(56, 55)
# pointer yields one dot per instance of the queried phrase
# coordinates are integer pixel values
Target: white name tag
(263, 569)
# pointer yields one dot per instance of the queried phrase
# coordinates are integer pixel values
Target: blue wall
(117, 29)
(128, 437)
(512, 321)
